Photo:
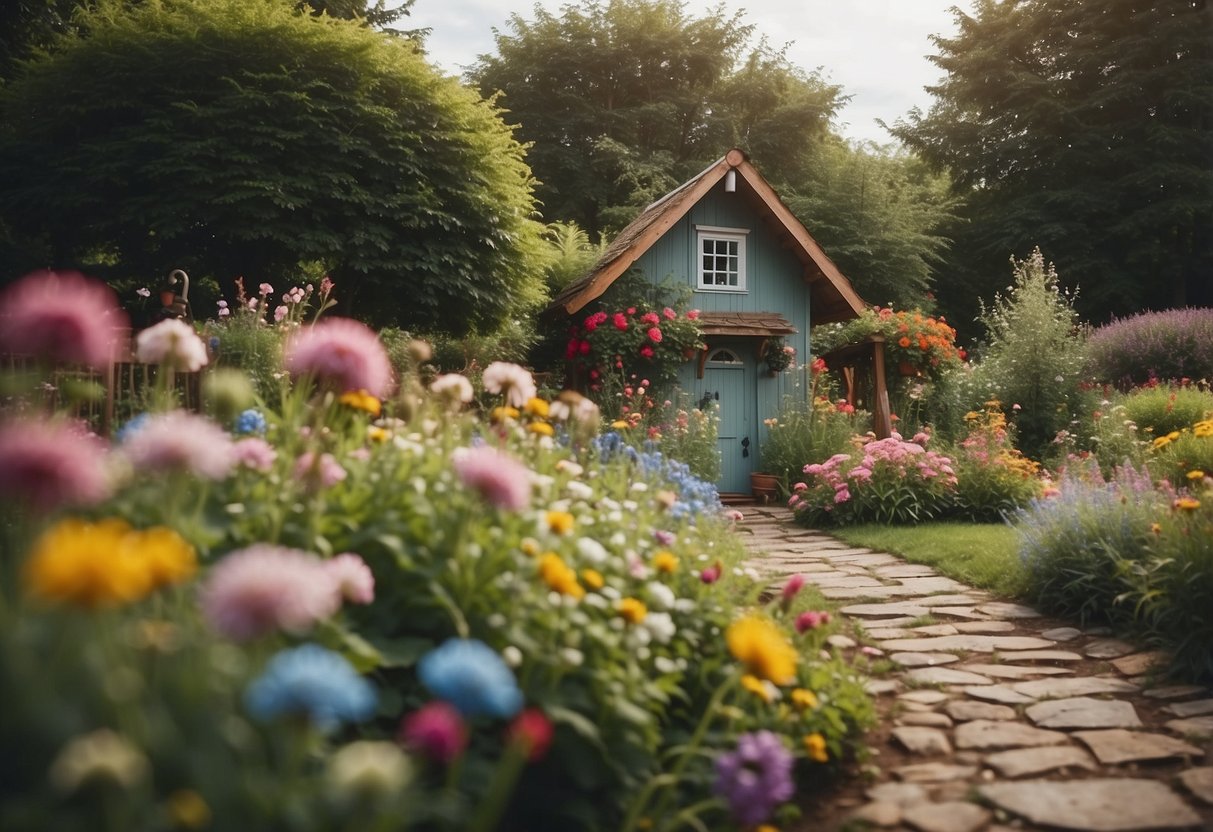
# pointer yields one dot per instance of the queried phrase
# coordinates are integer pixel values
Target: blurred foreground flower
(61, 316)
(500, 479)
(313, 682)
(756, 777)
(178, 441)
(172, 343)
(471, 676)
(47, 465)
(99, 757)
(510, 380)
(342, 354)
(435, 730)
(763, 649)
(367, 771)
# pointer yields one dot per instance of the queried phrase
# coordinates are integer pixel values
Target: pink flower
(811, 620)
(711, 574)
(693, 315)
(532, 731)
(266, 289)
(254, 452)
(61, 316)
(734, 516)
(181, 441)
(621, 322)
(171, 342)
(669, 314)
(341, 353)
(664, 538)
(353, 578)
(800, 486)
(318, 472)
(791, 589)
(46, 465)
(841, 495)
(646, 351)
(436, 730)
(514, 382)
(280, 313)
(264, 588)
(452, 387)
(500, 479)
(655, 335)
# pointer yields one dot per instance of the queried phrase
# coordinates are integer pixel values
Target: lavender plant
(1168, 345)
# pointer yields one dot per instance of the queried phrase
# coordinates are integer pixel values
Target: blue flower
(131, 427)
(471, 676)
(314, 682)
(251, 421)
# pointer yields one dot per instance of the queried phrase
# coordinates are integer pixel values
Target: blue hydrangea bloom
(251, 421)
(471, 676)
(314, 682)
(131, 427)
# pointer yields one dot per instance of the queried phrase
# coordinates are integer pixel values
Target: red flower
(650, 318)
(631, 310)
(646, 351)
(818, 366)
(669, 314)
(570, 351)
(532, 731)
(584, 349)
(655, 335)
(711, 574)
(693, 315)
(621, 321)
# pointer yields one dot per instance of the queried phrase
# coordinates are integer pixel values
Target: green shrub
(1033, 357)
(1169, 345)
(1162, 409)
(688, 434)
(808, 429)
(1184, 456)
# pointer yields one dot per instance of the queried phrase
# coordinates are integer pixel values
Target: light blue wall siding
(773, 284)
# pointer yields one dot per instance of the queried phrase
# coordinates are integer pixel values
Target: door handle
(745, 447)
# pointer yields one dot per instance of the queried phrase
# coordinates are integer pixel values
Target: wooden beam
(881, 421)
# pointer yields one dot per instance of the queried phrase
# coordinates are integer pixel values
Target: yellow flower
(1203, 428)
(560, 577)
(630, 609)
(105, 563)
(1161, 442)
(763, 649)
(529, 546)
(188, 809)
(592, 578)
(541, 428)
(815, 744)
(804, 700)
(665, 562)
(757, 687)
(361, 400)
(620, 424)
(1196, 475)
(377, 434)
(500, 414)
(766, 827)
(1186, 503)
(1173, 435)
(560, 522)
(537, 407)
(1156, 528)
(972, 415)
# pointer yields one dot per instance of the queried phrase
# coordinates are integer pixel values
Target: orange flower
(903, 342)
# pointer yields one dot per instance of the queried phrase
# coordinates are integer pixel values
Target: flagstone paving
(994, 716)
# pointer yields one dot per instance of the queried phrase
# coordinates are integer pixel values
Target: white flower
(591, 550)
(171, 342)
(640, 486)
(597, 600)
(662, 596)
(452, 387)
(569, 467)
(579, 490)
(665, 665)
(512, 655)
(367, 769)
(618, 539)
(661, 625)
(572, 656)
(515, 382)
(630, 506)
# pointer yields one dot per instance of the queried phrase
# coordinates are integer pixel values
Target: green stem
(493, 805)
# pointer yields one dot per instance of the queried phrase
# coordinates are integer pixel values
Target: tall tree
(233, 137)
(1086, 128)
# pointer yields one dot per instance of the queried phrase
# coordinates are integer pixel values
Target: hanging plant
(779, 355)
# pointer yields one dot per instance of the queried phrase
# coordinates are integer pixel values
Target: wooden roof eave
(602, 279)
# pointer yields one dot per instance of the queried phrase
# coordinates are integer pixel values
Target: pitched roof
(832, 298)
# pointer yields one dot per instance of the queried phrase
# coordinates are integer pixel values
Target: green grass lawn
(981, 554)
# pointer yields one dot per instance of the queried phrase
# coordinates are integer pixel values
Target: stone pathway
(994, 717)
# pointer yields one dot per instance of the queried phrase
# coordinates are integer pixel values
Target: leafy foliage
(1086, 128)
(229, 137)
(993, 479)
(1167, 346)
(808, 428)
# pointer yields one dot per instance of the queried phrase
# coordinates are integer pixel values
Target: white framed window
(721, 256)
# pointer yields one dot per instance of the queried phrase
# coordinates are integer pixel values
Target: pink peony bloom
(811, 620)
(669, 314)
(655, 334)
(181, 441)
(46, 465)
(264, 588)
(620, 321)
(841, 495)
(514, 382)
(646, 351)
(280, 313)
(266, 289)
(254, 452)
(693, 315)
(340, 353)
(353, 577)
(436, 730)
(500, 479)
(650, 318)
(61, 316)
(318, 472)
(171, 342)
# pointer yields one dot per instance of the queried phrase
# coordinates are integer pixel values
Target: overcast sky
(873, 48)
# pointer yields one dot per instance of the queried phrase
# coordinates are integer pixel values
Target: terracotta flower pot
(764, 487)
(907, 368)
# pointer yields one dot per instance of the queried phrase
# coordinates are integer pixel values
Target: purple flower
(500, 479)
(341, 353)
(318, 472)
(264, 588)
(51, 464)
(61, 316)
(254, 452)
(436, 730)
(181, 441)
(353, 578)
(664, 538)
(755, 778)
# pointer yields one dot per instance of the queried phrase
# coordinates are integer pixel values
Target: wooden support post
(882, 424)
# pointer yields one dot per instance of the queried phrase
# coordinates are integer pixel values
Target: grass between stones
(983, 555)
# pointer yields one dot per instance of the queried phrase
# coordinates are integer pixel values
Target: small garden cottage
(760, 280)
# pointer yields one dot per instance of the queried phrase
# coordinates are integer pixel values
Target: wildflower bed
(361, 608)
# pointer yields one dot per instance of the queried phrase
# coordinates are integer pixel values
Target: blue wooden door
(727, 381)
